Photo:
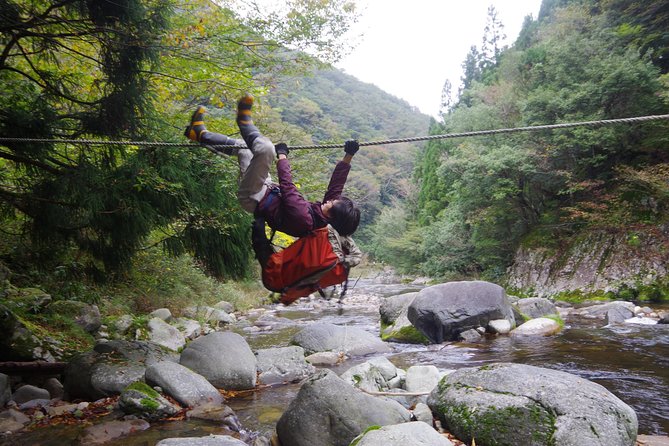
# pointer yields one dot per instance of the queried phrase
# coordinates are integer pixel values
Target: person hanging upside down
(281, 205)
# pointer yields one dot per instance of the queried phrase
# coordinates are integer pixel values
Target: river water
(632, 361)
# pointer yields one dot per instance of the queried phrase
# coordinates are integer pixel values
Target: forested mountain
(480, 199)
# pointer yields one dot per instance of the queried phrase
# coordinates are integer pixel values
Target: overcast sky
(410, 48)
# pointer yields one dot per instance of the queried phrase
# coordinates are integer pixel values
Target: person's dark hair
(344, 216)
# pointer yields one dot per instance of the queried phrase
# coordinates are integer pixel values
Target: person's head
(344, 216)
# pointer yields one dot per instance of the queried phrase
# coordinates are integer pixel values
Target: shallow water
(632, 361)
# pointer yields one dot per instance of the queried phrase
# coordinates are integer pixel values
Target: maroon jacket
(289, 212)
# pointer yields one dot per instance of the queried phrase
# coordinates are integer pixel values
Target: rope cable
(217, 148)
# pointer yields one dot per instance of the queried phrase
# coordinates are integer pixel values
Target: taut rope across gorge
(565, 125)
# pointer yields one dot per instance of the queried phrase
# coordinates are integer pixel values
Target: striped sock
(246, 127)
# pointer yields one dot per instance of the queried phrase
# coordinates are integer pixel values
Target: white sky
(410, 48)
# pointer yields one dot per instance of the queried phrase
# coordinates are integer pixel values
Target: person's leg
(196, 131)
(255, 178)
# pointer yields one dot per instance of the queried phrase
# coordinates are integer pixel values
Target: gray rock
(521, 404)
(377, 374)
(471, 335)
(162, 333)
(329, 412)
(391, 307)
(352, 341)
(600, 311)
(141, 400)
(28, 393)
(85, 315)
(12, 420)
(182, 384)
(211, 440)
(541, 326)
(283, 365)
(55, 388)
(225, 306)
(422, 378)
(441, 312)
(19, 342)
(534, 307)
(214, 316)
(105, 432)
(423, 413)
(33, 300)
(122, 324)
(162, 313)
(110, 367)
(5, 390)
(415, 433)
(618, 315)
(664, 318)
(224, 359)
(499, 326)
(219, 413)
(325, 358)
(190, 328)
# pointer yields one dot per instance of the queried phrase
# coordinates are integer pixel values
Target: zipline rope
(216, 149)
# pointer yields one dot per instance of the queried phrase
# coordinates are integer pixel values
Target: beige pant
(254, 165)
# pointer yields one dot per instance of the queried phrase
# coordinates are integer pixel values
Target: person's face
(327, 207)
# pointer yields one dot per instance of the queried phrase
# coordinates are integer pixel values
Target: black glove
(281, 148)
(351, 147)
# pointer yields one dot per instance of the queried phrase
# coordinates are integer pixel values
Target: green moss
(491, 425)
(357, 439)
(409, 334)
(556, 318)
(149, 405)
(144, 388)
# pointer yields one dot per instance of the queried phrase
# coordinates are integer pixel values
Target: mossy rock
(408, 334)
(140, 399)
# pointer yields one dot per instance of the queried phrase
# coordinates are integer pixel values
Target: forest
(89, 213)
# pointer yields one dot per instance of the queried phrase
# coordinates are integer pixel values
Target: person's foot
(196, 128)
(246, 127)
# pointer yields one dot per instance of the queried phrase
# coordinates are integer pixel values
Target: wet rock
(537, 327)
(105, 432)
(5, 390)
(211, 440)
(391, 307)
(352, 341)
(329, 412)
(499, 326)
(415, 433)
(520, 404)
(85, 315)
(28, 393)
(224, 359)
(377, 374)
(664, 318)
(618, 315)
(162, 313)
(56, 411)
(110, 367)
(472, 335)
(325, 358)
(12, 420)
(141, 400)
(182, 384)
(283, 365)
(599, 311)
(219, 413)
(441, 312)
(534, 307)
(399, 328)
(162, 333)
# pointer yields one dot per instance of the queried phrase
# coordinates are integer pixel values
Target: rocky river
(630, 359)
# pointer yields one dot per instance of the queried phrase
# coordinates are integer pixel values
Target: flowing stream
(632, 361)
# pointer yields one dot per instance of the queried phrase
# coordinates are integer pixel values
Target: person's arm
(292, 201)
(340, 173)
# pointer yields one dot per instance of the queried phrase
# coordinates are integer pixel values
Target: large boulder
(111, 367)
(283, 365)
(329, 412)
(391, 307)
(441, 312)
(514, 404)
(224, 359)
(85, 315)
(415, 433)
(352, 341)
(377, 374)
(182, 384)
(19, 342)
(165, 334)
